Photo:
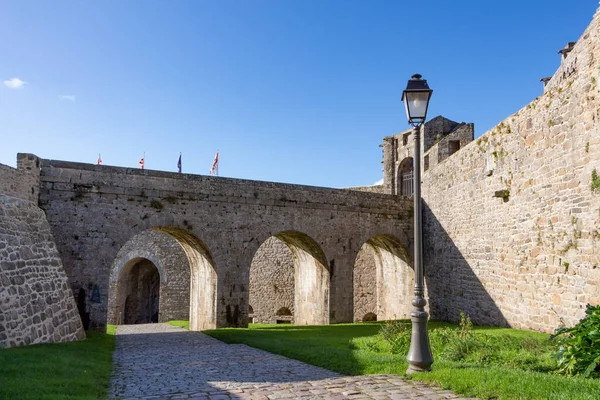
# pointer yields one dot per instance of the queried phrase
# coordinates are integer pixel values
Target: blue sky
(298, 91)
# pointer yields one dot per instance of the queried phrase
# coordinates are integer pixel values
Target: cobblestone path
(159, 361)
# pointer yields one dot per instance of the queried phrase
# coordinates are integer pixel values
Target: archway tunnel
(383, 280)
(289, 281)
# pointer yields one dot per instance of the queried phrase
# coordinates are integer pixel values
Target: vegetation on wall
(595, 185)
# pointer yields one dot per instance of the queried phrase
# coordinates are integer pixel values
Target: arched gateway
(197, 237)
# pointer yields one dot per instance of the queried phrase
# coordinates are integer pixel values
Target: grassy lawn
(508, 364)
(76, 370)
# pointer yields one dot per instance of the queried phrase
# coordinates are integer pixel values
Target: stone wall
(365, 284)
(36, 303)
(20, 183)
(440, 138)
(169, 258)
(272, 282)
(511, 220)
(449, 144)
(95, 210)
(369, 189)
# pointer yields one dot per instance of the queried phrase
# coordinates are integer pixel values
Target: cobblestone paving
(159, 361)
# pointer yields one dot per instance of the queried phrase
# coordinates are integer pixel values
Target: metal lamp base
(419, 356)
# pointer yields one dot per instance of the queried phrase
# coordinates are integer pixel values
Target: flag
(179, 163)
(142, 162)
(99, 159)
(215, 165)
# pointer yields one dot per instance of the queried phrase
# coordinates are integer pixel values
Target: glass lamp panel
(406, 108)
(417, 104)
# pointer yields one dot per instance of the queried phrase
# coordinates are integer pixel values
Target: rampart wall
(36, 303)
(23, 183)
(511, 221)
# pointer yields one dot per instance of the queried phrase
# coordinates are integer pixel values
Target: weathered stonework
(365, 284)
(169, 259)
(272, 283)
(36, 303)
(21, 183)
(511, 220)
(96, 210)
(510, 232)
(440, 138)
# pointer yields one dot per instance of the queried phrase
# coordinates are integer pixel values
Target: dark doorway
(142, 288)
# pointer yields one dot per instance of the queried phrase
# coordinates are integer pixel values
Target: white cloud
(69, 97)
(379, 182)
(14, 83)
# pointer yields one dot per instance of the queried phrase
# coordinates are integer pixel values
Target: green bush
(579, 351)
(463, 346)
(397, 334)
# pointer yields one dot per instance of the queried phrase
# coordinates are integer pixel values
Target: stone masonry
(272, 283)
(169, 258)
(511, 220)
(220, 223)
(36, 303)
(510, 231)
(440, 138)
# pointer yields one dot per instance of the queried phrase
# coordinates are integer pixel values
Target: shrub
(397, 334)
(579, 351)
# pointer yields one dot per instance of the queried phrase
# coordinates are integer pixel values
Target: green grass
(510, 364)
(182, 324)
(76, 370)
(111, 329)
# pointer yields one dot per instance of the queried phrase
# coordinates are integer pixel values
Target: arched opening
(289, 274)
(203, 279)
(140, 288)
(284, 312)
(284, 316)
(183, 279)
(271, 281)
(383, 280)
(404, 185)
(369, 317)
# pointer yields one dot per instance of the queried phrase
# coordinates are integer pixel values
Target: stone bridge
(141, 245)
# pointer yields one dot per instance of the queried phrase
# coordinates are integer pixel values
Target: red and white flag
(142, 162)
(99, 159)
(215, 165)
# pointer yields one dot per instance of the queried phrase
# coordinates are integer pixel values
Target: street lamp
(416, 100)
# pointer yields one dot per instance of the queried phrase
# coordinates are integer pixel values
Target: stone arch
(284, 311)
(311, 278)
(369, 317)
(404, 177)
(140, 285)
(271, 281)
(383, 279)
(187, 276)
(203, 278)
(126, 277)
(303, 277)
(284, 316)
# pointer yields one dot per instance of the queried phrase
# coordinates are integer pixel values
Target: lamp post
(416, 100)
